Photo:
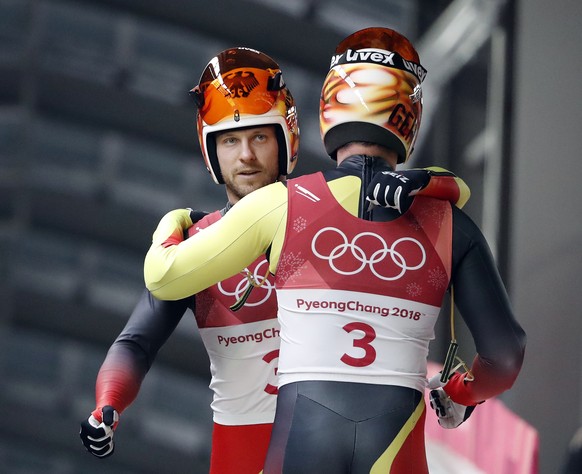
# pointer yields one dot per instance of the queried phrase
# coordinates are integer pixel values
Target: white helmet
(240, 88)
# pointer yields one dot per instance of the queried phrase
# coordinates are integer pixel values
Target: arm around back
(483, 302)
(176, 269)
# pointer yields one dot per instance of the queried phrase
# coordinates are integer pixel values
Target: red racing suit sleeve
(131, 355)
(446, 185)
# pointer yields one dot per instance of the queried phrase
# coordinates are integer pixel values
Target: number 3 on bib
(363, 343)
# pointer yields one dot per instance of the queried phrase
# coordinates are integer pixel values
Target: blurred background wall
(98, 141)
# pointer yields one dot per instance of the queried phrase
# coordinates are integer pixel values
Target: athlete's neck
(369, 149)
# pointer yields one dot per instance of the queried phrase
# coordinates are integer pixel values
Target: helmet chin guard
(372, 93)
(242, 88)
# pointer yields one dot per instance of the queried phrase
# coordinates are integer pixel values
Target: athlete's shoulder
(258, 204)
(466, 233)
(444, 184)
(274, 191)
(197, 215)
(341, 172)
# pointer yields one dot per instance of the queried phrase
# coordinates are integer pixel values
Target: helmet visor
(236, 82)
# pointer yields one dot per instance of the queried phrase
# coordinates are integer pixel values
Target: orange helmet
(372, 93)
(239, 88)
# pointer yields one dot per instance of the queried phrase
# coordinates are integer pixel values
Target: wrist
(170, 230)
(98, 414)
(459, 390)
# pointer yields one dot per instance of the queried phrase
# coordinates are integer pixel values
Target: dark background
(98, 141)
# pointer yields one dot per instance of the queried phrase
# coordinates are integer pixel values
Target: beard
(240, 186)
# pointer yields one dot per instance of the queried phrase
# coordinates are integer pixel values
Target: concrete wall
(546, 239)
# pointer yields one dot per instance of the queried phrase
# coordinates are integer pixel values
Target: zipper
(366, 177)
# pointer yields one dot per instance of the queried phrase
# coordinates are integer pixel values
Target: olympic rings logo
(358, 253)
(243, 284)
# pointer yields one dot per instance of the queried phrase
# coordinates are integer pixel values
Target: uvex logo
(415, 69)
(364, 55)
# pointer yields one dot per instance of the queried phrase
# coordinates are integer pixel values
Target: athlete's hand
(450, 414)
(396, 189)
(170, 230)
(97, 431)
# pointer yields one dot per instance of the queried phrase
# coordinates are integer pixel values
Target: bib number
(363, 343)
(268, 358)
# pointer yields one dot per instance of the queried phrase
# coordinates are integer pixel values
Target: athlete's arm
(174, 269)
(482, 301)
(131, 355)
(396, 189)
(125, 366)
(133, 352)
(444, 184)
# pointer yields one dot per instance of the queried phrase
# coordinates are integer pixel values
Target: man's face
(248, 159)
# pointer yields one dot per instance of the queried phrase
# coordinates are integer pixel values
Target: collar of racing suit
(365, 167)
(226, 208)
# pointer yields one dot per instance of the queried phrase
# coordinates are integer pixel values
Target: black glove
(396, 189)
(98, 436)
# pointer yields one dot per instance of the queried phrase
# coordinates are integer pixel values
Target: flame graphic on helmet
(375, 94)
